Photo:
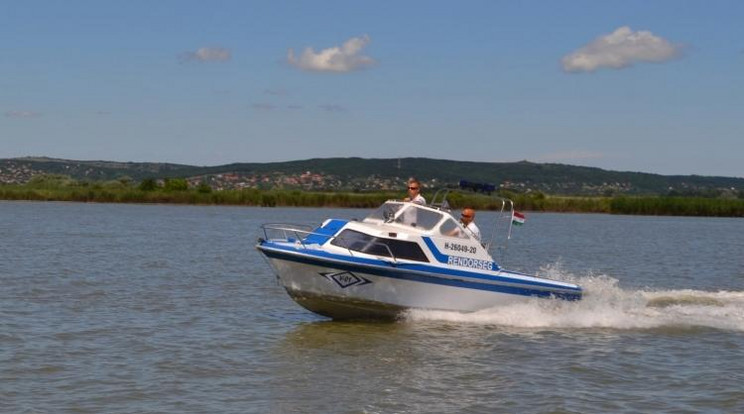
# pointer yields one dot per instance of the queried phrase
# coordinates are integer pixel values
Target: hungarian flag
(518, 218)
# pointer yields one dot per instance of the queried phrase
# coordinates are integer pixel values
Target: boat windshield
(385, 212)
(407, 213)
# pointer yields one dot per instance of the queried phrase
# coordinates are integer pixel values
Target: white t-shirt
(473, 230)
(419, 199)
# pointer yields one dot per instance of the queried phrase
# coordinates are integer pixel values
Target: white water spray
(607, 306)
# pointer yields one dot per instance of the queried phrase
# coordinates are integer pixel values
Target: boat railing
(286, 232)
(439, 200)
(301, 234)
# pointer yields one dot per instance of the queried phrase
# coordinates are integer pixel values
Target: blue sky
(632, 86)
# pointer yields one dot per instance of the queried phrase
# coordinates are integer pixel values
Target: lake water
(109, 308)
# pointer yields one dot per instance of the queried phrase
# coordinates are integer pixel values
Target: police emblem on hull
(345, 279)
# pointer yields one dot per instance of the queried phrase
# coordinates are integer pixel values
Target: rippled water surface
(170, 309)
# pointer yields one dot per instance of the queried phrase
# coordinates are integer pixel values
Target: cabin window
(360, 242)
(451, 228)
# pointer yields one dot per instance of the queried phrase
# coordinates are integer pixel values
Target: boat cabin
(405, 230)
(410, 216)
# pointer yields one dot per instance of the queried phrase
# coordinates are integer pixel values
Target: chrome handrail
(296, 229)
(439, 200)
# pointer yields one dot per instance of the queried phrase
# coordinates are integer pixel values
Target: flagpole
(511, 223)
(508, 235)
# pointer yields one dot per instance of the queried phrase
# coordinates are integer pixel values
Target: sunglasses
(466, 216)
(413, 188)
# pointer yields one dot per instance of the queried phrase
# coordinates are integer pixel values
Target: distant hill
(361, 174)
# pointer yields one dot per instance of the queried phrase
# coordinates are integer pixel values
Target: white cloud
(22, 114)
(207, 54)
(621, 49)
(346, 58)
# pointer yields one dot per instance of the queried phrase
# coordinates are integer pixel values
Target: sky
(648, 86)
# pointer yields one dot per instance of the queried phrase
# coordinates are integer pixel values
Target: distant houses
(17, 173)
(523, 178)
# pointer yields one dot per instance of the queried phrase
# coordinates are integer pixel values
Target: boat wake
(607, 306)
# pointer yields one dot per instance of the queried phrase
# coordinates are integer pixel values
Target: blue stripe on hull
(426, 276)
(425, 268)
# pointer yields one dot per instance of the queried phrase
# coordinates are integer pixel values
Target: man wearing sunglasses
(414, 192)
(467, 219)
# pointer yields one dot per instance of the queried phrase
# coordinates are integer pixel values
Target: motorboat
(401, 256)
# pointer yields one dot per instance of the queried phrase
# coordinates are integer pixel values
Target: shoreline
(626, 205)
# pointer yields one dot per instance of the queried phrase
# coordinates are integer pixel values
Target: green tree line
(177, 191)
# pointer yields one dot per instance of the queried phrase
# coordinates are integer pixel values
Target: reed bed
(117, 192)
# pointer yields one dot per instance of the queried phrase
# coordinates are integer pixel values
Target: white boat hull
(342, 290)
(342, 294)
